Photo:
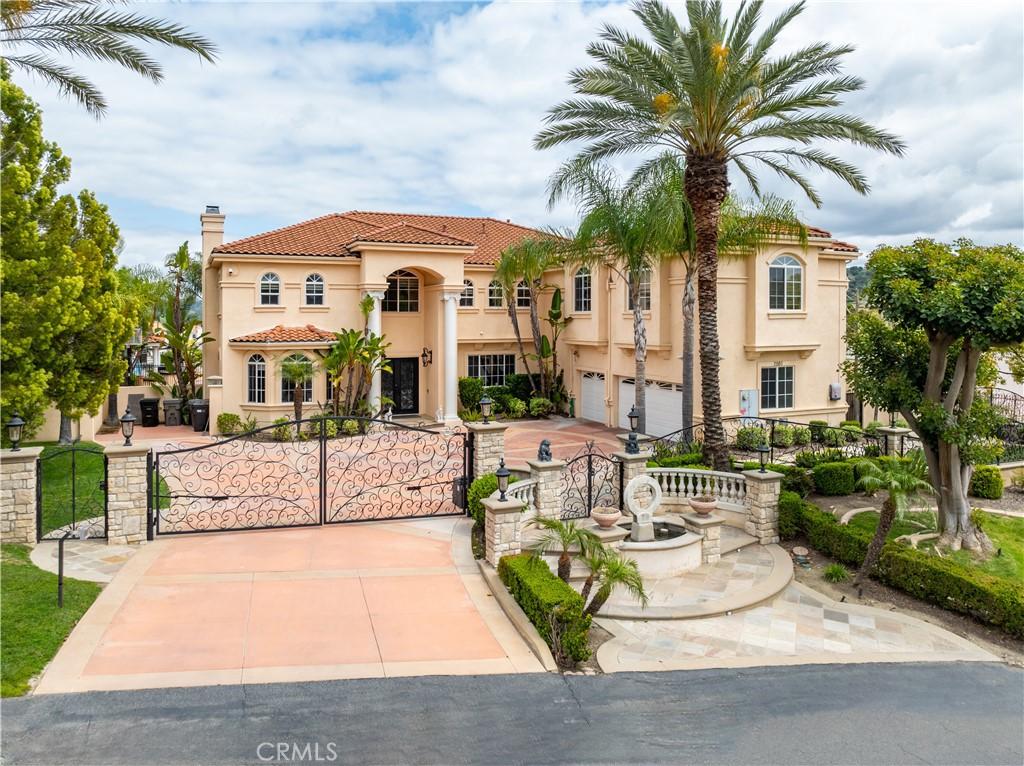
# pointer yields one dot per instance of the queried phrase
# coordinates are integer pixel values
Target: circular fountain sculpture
(662, 547)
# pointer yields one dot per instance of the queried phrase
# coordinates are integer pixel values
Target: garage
(664, 406)
(592, 397)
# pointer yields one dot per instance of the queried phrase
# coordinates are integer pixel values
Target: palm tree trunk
(602, 595)
(514, 318)
(689, 302)
(297, 400)
(706, 186)
(640, 358)
(537, 336)
(587, 585)
(564, 566)
(885, 520)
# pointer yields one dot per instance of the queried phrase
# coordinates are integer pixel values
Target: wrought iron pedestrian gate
(590, 479)
(310, 472)
(71, 491)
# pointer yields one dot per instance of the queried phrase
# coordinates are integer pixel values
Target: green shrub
(843, 543)
(836, 573)
(751, 437)
(872, 427)
(810, 458)
(541, 407)
(817, 428)
(790, 506)
(851, 424)
(872, 450)
(550, 604)
(986, 482)
(228, 423)
(515, 408)
(482, 486)
(519, 386)
(783, 435)
(497, 393)
(681, 461)
(837, 437)
(470, 416)
(801, 435)
(350, 427)
(282, 430)
(900, 423)
(834, 478)
(852, 431)
(329, 426)
(471, 390)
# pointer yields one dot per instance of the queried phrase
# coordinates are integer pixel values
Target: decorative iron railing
(589, 480)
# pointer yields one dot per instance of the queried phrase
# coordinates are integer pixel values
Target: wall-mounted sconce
(427, 356)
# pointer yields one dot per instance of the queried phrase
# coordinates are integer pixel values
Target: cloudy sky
(431, 107)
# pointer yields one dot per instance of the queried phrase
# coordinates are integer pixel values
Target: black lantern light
(762, 455)
(485, 407)
(502, 473)
(127, 426)
(427, 356)
(15, 426)
(632, 445)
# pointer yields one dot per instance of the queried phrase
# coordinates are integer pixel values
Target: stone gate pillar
(488, 446)
(892, 436)
(502, 529)
(763, 491)
(632, 466)
(18, 477)
(548, 474)
(127, 494)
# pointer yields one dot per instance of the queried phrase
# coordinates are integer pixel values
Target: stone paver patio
(91, 560)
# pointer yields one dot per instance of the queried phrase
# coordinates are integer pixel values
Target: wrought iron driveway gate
(308, 473)
(590, 479)
(71, 489)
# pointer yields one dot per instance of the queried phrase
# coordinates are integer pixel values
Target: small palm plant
(563, 536)
(614, 570)
(297, 371)
(904, 484)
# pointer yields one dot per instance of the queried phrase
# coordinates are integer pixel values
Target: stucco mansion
(782, 315)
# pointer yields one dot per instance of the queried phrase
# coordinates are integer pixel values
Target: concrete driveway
(347, 601)
(568, 436)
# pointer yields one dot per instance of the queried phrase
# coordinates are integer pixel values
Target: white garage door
(664, 406)
(592, 397)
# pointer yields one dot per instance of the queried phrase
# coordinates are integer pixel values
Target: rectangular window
(492, 368)
(403, 293)
(645, 292)
(466, 297)
(581, 291)
(522, 296)
(776, 388)
(286, 391)
(495, 298)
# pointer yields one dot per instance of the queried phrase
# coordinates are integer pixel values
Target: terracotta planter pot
(703, 505)
(606, 517)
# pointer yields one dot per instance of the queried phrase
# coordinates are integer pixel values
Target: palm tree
(904, 483)
(38, 31)
(506, 274)
(563, 536)
(616, 571)
(297, 371)
(619, 230)
(712, 94)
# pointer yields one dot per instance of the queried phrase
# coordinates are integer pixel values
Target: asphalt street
(952, 713)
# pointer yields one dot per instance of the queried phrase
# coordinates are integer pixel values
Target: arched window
(256, 391)
(403, 293)
(495, 295)
(288, 386)
(785, 284)
(522, 296)
(645, 292)
(581, 290)
(466, 298)
(270, 290)
(314, 290)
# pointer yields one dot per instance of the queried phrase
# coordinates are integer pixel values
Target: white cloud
(322, 107)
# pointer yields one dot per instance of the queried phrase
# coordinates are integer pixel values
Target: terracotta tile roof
(845, 247)
(407, 234)
(282, 334)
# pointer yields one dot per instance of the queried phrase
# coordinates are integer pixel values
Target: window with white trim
(776, 388)
(581, 290)
(645, 292)
(270, 290)
(492, 368)
(287, 387)
(403, 293)
(466, 296)
(495, 295)
(314, 290)
(522, 296)
(256, 389)
(785, 284)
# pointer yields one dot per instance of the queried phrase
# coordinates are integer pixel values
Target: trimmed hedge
(482, 486)
(228, 423)
(986, 482)
(834, 478)
(471, 390)
(541, 407)
(809, 458)
(794, 478)
(542, 595)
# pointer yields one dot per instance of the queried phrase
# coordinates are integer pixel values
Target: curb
(517, 617)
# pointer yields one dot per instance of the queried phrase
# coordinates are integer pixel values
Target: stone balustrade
(525, 492)
(682, 483)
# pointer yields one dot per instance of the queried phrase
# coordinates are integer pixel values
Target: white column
(373, 325)
(451, 355)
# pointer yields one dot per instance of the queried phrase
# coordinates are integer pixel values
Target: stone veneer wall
(488, 447)
(18, 494)
(127, 494)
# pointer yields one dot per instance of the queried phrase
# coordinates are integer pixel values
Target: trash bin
(200, 413)
(172, 412)
(150, 412)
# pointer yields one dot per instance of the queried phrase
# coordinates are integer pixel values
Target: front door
(402, 385)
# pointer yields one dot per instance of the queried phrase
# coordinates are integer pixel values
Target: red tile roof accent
(845, 247)
(282, 334)
(407, 234)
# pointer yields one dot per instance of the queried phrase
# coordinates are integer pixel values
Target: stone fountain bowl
(673, 550)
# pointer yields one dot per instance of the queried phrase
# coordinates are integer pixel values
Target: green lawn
(56, 469)
(32, 626)
(910, 524)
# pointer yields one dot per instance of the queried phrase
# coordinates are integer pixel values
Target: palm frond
(65, 79)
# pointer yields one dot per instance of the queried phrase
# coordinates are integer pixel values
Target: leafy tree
(904, 484)
(712, 93)
(859, 277)
(507, 275)
(36, 32)
(940, 308)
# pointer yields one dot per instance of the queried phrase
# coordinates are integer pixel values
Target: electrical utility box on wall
(835, 392)
(748, 403)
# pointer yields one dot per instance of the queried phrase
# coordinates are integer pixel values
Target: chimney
(212, 226)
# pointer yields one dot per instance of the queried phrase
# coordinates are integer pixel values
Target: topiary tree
(938, 309)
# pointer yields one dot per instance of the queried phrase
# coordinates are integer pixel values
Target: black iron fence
(590, 479)
(71, 491)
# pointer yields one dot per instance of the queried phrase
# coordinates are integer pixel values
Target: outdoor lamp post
(127, 426)
(502, 473)
(485, 407)
(632, 445)
(15, 426)
(762, 455)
